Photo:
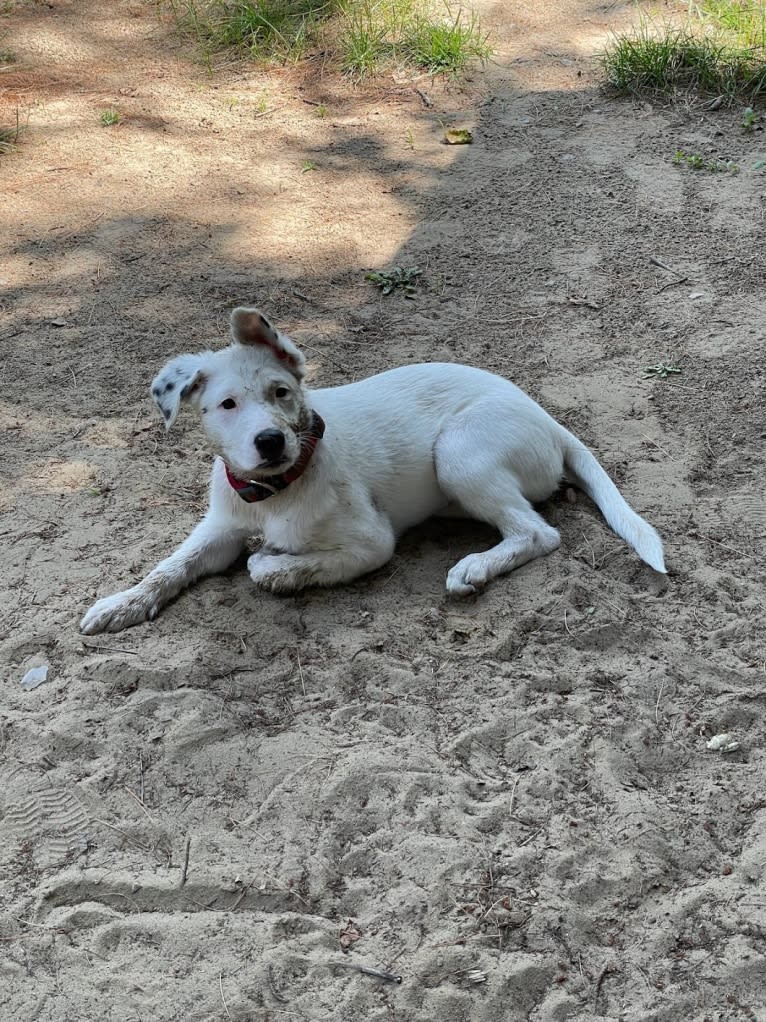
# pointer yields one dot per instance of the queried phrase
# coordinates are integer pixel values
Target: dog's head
(249, 395)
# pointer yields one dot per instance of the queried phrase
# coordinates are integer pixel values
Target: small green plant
(110, 117)
(308, 165)
(661, 371)
(749, 120)
(321, 111)
(697, 162)
(397, 278)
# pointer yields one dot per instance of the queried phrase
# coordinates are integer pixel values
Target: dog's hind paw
(113, 613)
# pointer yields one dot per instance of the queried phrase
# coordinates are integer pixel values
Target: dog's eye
(229, 403)
(281, 392)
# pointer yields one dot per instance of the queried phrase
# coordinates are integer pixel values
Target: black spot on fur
(156, 391)
(169, 387)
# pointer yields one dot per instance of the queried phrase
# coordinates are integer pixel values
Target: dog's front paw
(468, 576)
(113, 613)
(279, 573)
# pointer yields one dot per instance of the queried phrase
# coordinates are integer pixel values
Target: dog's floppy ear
(175, 383)
(249, 326)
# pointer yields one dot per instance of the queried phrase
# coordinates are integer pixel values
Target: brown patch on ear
(250, 327)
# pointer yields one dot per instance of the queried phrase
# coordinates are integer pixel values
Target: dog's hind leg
(525, 536)
(490, 492)
(210, 548)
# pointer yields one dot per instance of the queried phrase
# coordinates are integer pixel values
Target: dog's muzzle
(261, 489)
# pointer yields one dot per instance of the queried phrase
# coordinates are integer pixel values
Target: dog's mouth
(262, 471)
(270, 477)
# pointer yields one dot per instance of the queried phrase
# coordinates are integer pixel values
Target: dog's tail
(586, 472)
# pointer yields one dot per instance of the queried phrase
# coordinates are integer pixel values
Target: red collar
(261, 489)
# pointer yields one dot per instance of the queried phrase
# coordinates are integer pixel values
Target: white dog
(330, 478)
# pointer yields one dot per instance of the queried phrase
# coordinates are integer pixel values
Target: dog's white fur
(413, 442)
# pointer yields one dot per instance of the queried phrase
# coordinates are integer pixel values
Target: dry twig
(389, 977)
(223, 999)
(185, 867)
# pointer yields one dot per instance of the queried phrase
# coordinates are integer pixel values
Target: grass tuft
(9, 137)
(361, 36)
(281, 29)
(720, 51)
(743, 20)
(448, 45)
(365, 36)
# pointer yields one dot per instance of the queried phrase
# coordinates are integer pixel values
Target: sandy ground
(508, 801)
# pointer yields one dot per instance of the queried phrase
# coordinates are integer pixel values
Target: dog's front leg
(289, 573)
(212, 547)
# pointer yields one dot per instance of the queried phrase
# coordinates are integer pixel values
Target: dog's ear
(249, 326)
(179, 380)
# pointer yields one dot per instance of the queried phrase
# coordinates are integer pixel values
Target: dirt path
(508, 801)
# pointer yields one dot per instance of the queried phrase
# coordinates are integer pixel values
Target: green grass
(448, 45)
(8, 139)
(745, 20)
(109, 117)
(720, 50)
(697, 162)
(268, 28)
(359, 36)
(432, 36)
(7, 57)
(10, 136)
(364, 39)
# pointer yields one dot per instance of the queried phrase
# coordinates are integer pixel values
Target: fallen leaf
(350, 935)
(458, 136)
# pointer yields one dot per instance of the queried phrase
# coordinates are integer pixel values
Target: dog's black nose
(270, 443)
